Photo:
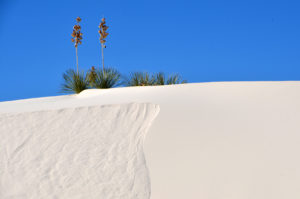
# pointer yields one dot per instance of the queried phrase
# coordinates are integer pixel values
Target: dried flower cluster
(102, 31)
(92, 76)
(103, 34)
(76, 38)
(77, 34)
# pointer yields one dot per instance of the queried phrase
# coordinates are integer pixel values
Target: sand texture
(218, 140)
(76, 153)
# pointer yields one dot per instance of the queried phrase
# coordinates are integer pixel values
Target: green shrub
(147, 79)
(161, 79)
(175, 79)
(74, 82)
(107, 78)
(140, 79)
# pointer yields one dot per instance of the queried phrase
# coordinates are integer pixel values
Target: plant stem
(102, 58)
(76, 60)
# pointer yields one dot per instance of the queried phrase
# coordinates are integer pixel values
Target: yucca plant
(74, 82)
(107, 78)
(161, 79)
(140, 79)
(91, 76)
(103, 34)
(76, 38)
(147, 79)
(175, 79)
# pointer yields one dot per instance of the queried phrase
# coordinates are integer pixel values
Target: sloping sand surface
(75, 153)
(221, 140)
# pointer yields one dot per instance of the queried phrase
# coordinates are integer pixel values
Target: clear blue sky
(204, 40)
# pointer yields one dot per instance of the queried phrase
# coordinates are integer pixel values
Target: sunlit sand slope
(223, 140)
(86, 152)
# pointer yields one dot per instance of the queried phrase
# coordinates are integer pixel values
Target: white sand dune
(226, 140)
(86, 152)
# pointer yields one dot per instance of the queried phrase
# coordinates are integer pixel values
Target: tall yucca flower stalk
(103, 34)
(76, 38)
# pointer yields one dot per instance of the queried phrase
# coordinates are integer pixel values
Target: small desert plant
(175, 79)
(147, 79)
(92, 76)
(140, 79)
(107, 78)
(74, 82)
(103, 34)
(161, 79)
(76, 38)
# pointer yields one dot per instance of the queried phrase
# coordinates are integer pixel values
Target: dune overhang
(81, 152)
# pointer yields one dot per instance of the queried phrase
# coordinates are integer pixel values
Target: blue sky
(210, 40)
